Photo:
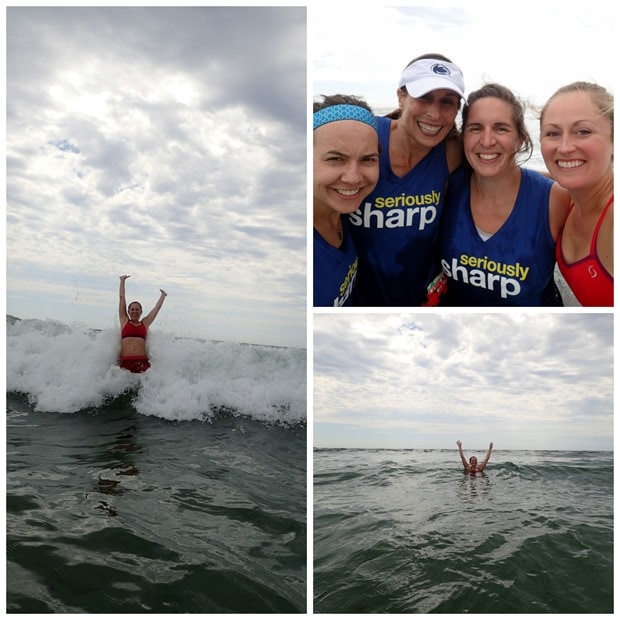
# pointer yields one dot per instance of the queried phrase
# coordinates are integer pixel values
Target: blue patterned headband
(343, 112)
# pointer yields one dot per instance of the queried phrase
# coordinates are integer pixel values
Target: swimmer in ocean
(134, 330)
(472, 467)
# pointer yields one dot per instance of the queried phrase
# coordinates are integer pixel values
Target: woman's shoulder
(459, 177)
(536, 177)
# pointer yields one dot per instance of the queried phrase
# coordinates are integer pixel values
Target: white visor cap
(429, 74)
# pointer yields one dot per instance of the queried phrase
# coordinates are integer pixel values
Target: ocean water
(406, 531)
(182, 490)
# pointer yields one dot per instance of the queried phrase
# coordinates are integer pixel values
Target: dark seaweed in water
(400, 531)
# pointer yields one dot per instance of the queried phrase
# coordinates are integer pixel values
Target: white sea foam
(72, 368)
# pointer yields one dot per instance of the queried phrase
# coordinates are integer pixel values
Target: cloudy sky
(166, 143)
(523, 381)
(531, 47)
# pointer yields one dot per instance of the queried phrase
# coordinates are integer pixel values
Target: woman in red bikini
(133, 331)
(472, 467)
(577, 144)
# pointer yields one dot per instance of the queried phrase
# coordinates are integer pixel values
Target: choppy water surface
(182, 490)
(406, 531)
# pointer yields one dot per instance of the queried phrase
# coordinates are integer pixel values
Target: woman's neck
(328, 224)
(498, 186)
(405, 153)
(325, 216)
(593, 199)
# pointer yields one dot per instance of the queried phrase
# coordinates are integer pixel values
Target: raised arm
(465, 463)
(122, 302)
(150, 317)
(487, 457)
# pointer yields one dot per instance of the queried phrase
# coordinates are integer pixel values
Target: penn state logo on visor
(440, 69)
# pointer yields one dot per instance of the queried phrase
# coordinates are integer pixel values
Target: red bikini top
(587, 277)
(134, 331)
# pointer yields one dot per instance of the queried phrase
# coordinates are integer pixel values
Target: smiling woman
(501, 221)
(169, 142)
(346, 170)
(577, 146)
(419, 149)
(134, 331)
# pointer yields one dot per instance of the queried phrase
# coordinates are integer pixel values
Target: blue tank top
(514, 267)
(335, 270)
(396, 229)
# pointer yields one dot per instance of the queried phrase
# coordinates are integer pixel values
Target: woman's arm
(150, 317)
(487, 457)
(465, 463)
(122, 303)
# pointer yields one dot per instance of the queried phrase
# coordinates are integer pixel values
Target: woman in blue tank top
(346, 170)
(396, 229)
(500, 221)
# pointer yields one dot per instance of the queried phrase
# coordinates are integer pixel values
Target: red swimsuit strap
(599, 223)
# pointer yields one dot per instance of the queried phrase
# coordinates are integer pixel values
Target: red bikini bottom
(135, 363)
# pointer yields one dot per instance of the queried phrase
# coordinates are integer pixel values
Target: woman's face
(346, 165)
(134, 311)
(490, 138)
(576, 141)
(428, 119)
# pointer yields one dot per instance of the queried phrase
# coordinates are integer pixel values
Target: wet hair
(599, 96)
(395, 114)
(135, 302)
(518, 114)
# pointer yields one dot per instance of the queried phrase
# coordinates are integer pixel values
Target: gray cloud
(525, 375)
(164, 141)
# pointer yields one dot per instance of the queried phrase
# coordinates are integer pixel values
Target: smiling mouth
(430, 130)
(488, 156)
(348, 192)
(573, 163)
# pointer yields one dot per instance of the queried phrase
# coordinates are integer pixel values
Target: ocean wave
(71, 368)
